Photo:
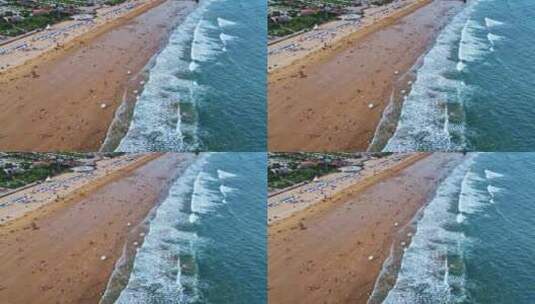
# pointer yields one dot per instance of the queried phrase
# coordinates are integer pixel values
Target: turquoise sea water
(476, 88)
(207, 241)
(476, 239)
(207, 88)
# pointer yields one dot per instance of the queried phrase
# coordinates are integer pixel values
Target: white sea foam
(225, 23)
(493, 38)
(225, 38)
(493, 190)
(225, 190)
(489, 174)
(204, 46)
(424, 121)
(157, 123)
(157, 274)
(472, 47)
(193, 218)
(204, 199)
(471, 199)
(432, 116)
(221, 174)
(193, 66)
(424, 276)
(490, 23)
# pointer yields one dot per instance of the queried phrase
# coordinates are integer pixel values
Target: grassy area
(30, 23)
(299, 23)
(30, 175)
(114, 2)
(280, 181)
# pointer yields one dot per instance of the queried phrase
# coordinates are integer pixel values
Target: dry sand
(321, 255)
(54, 102)
(18, 50)
(321, 102)
(53, 255)
(286, 203)
(285, 50)
(31, 197)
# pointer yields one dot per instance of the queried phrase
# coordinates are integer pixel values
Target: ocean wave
(224, 22)
(433, 115)
(426, 120)
(493, 39)
(225, 38)
(492, 23)
(164, 269)
(471, 199)
(493, 190)
(432, 266)
(165, 115)
(221, 174)
(471, 47)
(204, 46)
(204, 199)
(225, 190)
(489, 174)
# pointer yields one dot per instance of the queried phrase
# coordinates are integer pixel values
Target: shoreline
(113, 58)
(120, 275)
(120, 123)
(387, 277)
(88, 230)
(374, 58)
(345, 233)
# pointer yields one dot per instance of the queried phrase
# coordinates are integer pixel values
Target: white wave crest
(489, 174)
(490, 23)
(221, 174)
(225, 23)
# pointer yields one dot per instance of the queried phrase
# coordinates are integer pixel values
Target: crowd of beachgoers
(57, 187)
(30, 45)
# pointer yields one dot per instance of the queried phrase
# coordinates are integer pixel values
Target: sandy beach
(284, 51)
(284, 204)
(54, 101)
(322, 254)
(65, 250)
(333, 98)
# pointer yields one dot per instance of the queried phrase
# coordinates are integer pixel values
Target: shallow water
(207, 240)
(476, 86)
(206, 89)
(475, 240)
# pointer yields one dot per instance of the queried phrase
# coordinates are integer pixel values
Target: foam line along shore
(458, 101)
(479, 215)
(97, 73)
